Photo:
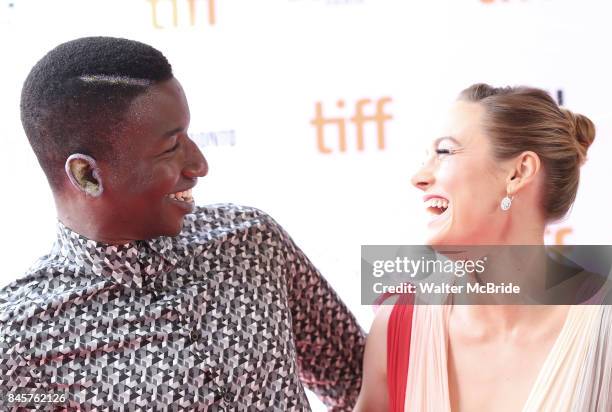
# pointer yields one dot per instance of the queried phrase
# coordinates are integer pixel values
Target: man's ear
(525, 170)
(83, 172)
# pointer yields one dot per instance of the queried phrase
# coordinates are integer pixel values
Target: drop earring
(506, 202)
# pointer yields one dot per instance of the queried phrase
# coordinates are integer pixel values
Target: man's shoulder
(39, 283)
(227, 216)
(230, 211)
(17, 295)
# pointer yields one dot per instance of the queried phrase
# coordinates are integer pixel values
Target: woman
(507, 165)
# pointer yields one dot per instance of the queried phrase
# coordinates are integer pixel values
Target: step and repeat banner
(319, 111)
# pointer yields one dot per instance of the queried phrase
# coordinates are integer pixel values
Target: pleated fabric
(576, 375)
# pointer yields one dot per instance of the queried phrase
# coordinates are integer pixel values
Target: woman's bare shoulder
(373, 396)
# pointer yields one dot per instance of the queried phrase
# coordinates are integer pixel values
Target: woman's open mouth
(437, 207)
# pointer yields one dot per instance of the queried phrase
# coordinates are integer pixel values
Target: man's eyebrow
(173, 131)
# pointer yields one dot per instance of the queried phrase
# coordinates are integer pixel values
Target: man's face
(155, 159)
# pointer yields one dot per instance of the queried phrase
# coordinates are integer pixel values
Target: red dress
(398, 351)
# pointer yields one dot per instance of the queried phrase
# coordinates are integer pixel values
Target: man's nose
(196, 165)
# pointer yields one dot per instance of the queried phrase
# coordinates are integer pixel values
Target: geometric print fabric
(228, 315)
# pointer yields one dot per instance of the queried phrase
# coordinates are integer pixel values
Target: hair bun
(582, 129)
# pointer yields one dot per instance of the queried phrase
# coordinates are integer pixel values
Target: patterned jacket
(228, 315)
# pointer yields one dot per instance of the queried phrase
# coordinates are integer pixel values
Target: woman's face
(462, 183)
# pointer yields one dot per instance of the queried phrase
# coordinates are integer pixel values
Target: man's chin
(170, 229)
(173, 217)
(183, 207)
(176, 229)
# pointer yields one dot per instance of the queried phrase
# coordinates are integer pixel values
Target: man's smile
(182, 199)
(184, 196)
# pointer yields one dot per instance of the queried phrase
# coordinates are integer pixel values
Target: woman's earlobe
(84, 174)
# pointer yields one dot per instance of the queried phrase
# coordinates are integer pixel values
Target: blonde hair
(524, 118)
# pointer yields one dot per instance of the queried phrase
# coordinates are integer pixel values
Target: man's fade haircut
(75, 97)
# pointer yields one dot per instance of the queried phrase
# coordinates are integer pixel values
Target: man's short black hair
(74, 99)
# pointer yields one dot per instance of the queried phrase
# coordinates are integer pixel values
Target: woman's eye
(443, 151)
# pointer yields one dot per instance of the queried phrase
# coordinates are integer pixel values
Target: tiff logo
(190, 5)
(359, 119)
(558, 235)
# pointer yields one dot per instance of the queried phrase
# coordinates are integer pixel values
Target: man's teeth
(182, 196)
(439, 203)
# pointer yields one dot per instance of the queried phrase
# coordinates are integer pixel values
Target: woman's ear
(525, 170)
(83, 172)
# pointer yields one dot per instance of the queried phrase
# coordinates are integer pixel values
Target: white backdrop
(255, 72)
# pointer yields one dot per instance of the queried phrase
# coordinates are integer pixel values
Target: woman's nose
(423, 178)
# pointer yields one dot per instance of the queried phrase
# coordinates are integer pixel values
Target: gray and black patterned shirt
(229, 315)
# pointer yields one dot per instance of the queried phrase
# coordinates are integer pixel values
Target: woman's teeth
(440, 204)
(182, 196)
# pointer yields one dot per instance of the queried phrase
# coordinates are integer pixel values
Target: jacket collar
(133, 264)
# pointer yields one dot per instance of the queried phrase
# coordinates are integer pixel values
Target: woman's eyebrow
(451, 138)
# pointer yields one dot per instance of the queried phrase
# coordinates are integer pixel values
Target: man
(147, 302)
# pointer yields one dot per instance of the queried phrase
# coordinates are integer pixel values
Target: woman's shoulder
(391, 330)
(378, 331)
(388, 313)
(375, 392)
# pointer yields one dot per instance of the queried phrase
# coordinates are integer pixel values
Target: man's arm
(329, 341)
